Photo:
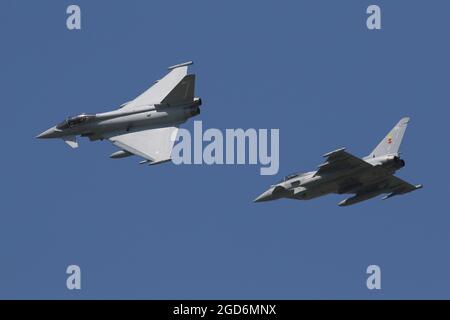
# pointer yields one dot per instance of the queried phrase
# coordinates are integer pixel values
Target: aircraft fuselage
(310, 185)
(99, 125)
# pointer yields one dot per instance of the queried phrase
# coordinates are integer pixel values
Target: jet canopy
(289, 177)
(71, 122)
(295, 175)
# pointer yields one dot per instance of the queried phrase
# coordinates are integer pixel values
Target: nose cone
(271, 194)
(50, 133)
(265, 196)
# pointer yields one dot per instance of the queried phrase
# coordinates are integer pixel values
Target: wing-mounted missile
(390, 195)
(396, 193)
(152, 163)
(159, 162)
(120, 154)
(358, 198)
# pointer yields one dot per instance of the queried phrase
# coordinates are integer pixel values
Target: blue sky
(310, 68)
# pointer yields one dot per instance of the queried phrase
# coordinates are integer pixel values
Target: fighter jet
(146, 126)
(343, 173)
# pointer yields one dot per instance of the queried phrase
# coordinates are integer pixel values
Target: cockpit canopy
(295, 175)
(288, 177)
(71, 122)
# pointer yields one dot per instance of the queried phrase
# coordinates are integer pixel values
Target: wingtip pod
(188, 63)
(404, 120)
(392, 194)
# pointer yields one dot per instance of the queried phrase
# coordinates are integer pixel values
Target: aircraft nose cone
(265, 196)
(273, 193)
(47, 134)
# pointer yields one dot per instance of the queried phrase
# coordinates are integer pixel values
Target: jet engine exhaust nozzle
(401, 162)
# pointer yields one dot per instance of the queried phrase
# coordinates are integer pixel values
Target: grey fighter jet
(343, 173)
(146, 126)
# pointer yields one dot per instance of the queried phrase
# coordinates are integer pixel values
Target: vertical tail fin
(391, 143)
